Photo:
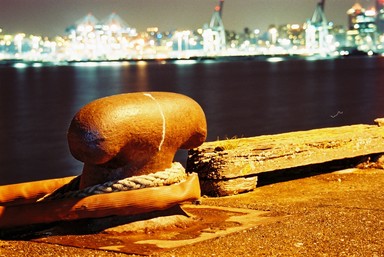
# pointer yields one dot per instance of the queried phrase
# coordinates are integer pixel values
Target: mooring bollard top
(135, 133)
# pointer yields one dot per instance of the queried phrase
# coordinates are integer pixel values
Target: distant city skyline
(51, 17)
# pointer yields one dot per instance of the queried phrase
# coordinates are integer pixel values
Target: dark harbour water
(241, 98)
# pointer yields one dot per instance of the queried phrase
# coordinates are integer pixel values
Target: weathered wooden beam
(231, 166)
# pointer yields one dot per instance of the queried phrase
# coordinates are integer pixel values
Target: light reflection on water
(246, 98)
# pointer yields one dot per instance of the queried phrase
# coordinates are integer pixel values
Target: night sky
(51, 17)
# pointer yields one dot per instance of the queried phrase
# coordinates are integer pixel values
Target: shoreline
(197, 59)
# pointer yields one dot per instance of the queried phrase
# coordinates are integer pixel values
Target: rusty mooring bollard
(133, 134)
(126, 142)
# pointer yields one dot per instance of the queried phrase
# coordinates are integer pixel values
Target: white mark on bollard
(162, 116)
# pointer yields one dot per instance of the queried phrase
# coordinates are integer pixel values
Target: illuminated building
(291, 35)
(92, 39)
(362, 28)
(380, 16)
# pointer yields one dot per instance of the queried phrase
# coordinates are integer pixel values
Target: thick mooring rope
(175, 174)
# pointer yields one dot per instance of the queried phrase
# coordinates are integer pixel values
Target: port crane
(214, 33)
(316, 33)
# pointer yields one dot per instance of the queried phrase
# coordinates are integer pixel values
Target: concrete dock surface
(338, 213)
